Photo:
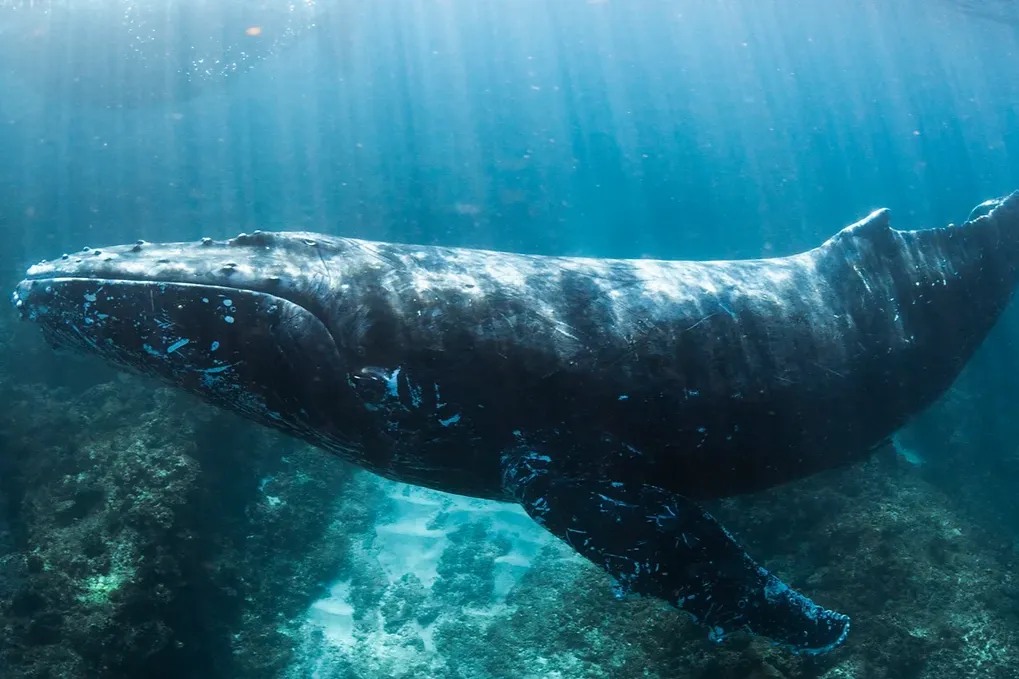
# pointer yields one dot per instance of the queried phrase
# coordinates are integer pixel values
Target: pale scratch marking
(326, 270)
(561, 328)
(828, 370)
(373, 250)
(706, 318)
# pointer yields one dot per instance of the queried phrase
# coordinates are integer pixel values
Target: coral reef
(928, 593)
(146, 535)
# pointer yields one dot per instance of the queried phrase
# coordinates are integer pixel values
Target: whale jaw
(256, 354)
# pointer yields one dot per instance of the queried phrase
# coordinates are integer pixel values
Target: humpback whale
(608, 397)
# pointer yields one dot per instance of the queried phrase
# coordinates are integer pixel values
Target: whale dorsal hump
(872, 228)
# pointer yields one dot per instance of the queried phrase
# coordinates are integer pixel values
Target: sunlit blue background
(676, 129)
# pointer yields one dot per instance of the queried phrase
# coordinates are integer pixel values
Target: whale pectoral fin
(660, 544)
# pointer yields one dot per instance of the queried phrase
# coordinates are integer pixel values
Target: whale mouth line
(36, 277)
(42, 278)
(140, 280)
(21, 302)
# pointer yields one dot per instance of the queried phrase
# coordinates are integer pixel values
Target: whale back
(712, 378)
(424, 363)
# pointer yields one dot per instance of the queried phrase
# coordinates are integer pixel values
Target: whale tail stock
(959, 275)
(948, 285)
(988, 237)
(957, 282)
(657, 543)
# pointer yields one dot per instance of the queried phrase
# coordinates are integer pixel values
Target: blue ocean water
(700, 129)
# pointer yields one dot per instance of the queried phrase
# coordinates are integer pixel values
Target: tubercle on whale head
(229, 321)
(295, 266)
(257, 261)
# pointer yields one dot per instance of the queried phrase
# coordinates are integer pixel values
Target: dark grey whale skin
(605, 396)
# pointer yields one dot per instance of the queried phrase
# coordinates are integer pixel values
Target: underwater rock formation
(146, 541)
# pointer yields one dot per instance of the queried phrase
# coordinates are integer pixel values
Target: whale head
(240, 322)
